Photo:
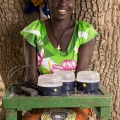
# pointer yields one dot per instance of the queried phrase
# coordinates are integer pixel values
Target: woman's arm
(30, 59)
(84, 55)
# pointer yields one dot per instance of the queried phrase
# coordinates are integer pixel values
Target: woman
(58, 43)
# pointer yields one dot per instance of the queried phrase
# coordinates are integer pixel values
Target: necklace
(58, 40)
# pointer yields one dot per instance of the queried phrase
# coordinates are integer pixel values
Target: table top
(21, 102)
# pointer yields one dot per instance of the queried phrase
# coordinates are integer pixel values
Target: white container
(49, 80)
(50, 85)
(88, 76)
(67, 76)
(88, 80)
(68, 79)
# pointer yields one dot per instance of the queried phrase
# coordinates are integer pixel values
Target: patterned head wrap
(33, 5)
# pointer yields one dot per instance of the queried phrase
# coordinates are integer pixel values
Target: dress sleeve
(32, 33)
(86, 32)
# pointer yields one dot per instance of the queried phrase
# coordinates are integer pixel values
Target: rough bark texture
(12, 21)
(11, 44)
(104, 15)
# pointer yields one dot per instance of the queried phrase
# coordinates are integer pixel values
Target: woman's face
(61, 9)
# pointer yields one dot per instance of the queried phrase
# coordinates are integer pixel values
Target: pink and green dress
(49, 59)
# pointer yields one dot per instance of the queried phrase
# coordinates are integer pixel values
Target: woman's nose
(62, 2)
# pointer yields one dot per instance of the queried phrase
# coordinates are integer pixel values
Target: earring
(48, 9)
(73, 10)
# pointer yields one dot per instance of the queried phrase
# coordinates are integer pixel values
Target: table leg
(11, 114)
(19, 115)
(105, 113)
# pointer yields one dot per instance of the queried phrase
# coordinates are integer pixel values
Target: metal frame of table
(14, 105)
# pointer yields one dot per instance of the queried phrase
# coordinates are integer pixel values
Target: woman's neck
(59, 24)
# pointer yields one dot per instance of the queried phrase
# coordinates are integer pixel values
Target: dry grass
(2, 114)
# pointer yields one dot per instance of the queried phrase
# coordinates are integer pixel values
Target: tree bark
(104, 15)
(12, 21)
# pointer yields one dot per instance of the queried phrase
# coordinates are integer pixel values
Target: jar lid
(67, 76)
(88, 76)
(49, 80)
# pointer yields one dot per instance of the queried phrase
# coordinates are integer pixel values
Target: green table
(14, 105)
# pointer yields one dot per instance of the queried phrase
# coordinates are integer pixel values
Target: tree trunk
(104, 15)
(12, 21)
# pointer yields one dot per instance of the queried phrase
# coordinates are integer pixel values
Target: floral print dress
(49, 59)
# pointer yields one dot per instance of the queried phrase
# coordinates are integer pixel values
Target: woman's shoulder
(83, 24)
(86, 31)
(32, 32)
